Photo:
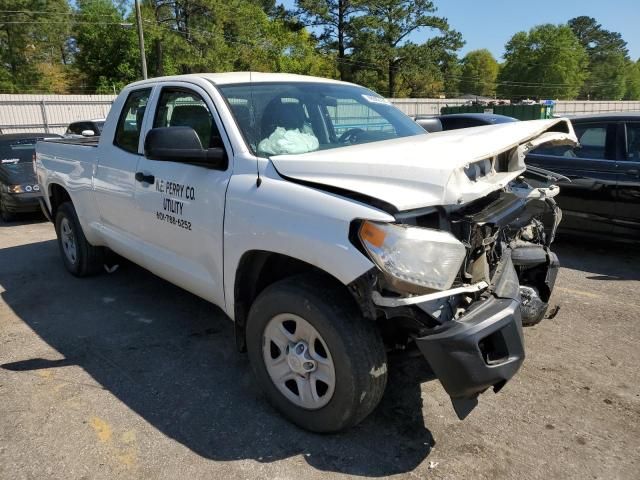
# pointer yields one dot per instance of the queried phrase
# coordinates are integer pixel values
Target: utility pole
(141, 40)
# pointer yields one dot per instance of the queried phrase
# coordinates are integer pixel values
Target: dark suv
(603, 196)
(19, 190)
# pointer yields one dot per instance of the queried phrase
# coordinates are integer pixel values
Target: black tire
(89, 260)
(354, 343)
(5, 215)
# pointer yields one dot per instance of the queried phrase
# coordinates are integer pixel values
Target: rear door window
(593, 143)
(633, 142)
(130, 123)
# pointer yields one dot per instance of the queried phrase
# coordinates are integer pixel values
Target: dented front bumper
(484, 347)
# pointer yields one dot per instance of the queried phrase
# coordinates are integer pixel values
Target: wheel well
(58, 196)
(256, 271)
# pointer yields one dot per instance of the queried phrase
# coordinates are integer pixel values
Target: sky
(491, 23)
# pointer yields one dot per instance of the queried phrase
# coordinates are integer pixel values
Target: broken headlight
(420, 256)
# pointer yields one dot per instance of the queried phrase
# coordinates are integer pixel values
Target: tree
(547, 62)
(33, 45)
(608, 55)
(106, 52)
(632, 81)
(334, 18)
(479, 73)
(383, 32)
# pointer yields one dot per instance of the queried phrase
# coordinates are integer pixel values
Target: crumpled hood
(431, 169)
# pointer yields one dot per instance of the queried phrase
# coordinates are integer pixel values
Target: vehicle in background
(322, 220)
(603, 195)
(85, 128)
(439, 123)
(19, 189)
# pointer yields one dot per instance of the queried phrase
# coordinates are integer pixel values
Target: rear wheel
(79, 256)
(319, 362)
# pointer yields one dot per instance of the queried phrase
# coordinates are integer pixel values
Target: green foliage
(547, 61)
(632, 81)
(608, 55)
(479, 73)
(396, 47)
(30, 39)
(382, 38)
(105, 49)
(334, 18)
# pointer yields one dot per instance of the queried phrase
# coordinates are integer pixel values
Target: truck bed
(84, 141)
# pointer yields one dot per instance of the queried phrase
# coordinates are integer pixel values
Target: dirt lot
(127, 376)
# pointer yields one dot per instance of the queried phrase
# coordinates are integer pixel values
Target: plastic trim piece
(403, 301)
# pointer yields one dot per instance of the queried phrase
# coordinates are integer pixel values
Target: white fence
(49, 113)
(430, 106)
(52, 113)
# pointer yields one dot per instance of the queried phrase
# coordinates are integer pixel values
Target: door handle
(634, 172)
(141, 177)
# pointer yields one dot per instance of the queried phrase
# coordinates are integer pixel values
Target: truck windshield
(278, 118)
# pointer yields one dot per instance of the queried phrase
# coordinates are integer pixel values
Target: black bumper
(482, 349)
(21, 202)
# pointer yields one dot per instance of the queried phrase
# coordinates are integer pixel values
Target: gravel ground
(127, 376)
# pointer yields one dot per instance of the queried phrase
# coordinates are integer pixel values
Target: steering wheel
(350, 135)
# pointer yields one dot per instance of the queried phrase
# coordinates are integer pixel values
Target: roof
(227, 78)
(605, 116)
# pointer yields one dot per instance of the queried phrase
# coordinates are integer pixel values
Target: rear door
(628, 192)
(114, 178)
(181, 206)
(588, 201)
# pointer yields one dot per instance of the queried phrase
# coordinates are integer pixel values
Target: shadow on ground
(24, 219)
(605, 260)
(170, 357)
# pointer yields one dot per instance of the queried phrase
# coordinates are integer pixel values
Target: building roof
(605, 116)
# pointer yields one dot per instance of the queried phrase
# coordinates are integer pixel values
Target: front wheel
(319, 362)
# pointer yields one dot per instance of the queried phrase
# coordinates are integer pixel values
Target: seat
(196, 117)
(287, 115)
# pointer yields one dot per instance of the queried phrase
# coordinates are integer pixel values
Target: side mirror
(182, 144)
(88, 133)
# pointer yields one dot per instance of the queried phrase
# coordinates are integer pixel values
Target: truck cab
(325, 223)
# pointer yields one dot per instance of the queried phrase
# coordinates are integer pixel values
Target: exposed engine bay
(517, 223)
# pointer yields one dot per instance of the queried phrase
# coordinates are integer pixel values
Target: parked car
(438, 123)
(85, 128)
(603, 195)
(19, 189)
(325, 223)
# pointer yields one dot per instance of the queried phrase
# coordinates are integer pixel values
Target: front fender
(294, 220)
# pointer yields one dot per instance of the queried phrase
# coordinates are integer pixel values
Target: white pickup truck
(325, 223)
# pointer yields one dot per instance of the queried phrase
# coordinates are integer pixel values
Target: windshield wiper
(547, 174)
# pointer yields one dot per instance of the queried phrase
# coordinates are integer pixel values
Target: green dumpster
(521, 112)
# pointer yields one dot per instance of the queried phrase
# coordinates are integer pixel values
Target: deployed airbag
(282, 142)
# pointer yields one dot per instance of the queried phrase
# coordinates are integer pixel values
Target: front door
(588, 201)
(181, 206)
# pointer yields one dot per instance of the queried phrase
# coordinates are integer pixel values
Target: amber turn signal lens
(372, 234)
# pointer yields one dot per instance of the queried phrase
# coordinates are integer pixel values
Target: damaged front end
(471, 333)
